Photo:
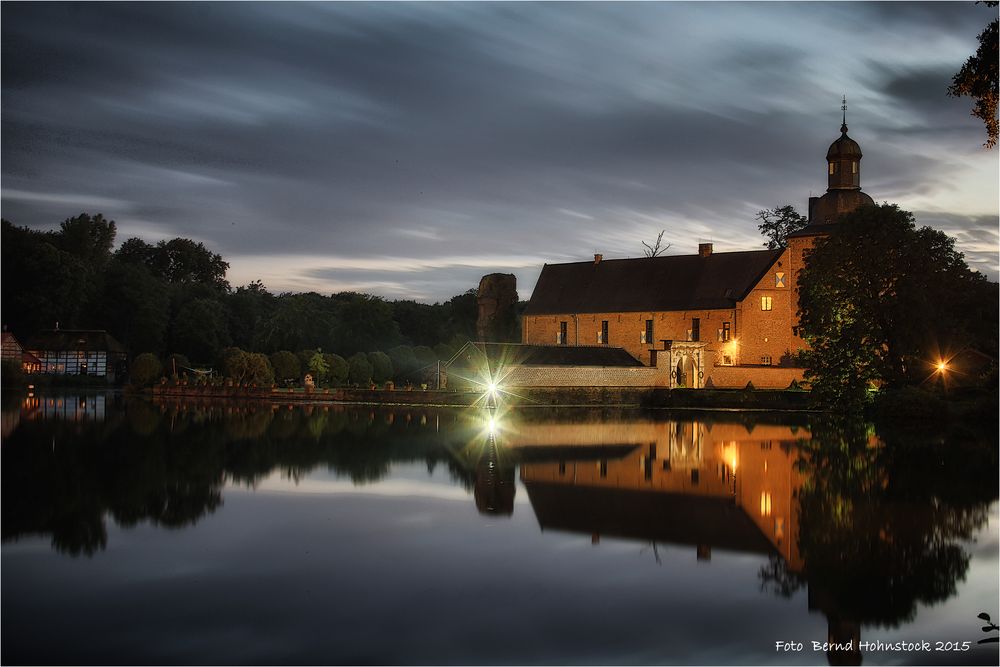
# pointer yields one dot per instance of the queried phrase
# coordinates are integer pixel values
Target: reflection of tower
(494, 489)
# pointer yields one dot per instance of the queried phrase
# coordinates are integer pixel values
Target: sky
(407, 149)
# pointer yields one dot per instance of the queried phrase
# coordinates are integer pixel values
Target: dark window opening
(604, 469)
(604, 332)
(695, 477)
(649, 332)
(562, 333)
(695, 329)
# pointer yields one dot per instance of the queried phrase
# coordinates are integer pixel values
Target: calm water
(141, 533)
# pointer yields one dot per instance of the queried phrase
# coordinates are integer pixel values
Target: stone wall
(587, 376)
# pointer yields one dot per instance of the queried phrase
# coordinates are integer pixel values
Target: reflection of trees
(881, 520)
(167, 464)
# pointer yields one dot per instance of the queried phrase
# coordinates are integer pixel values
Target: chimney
(598, 258)
(704, 249)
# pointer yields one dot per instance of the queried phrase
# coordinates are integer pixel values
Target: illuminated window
(765, 504)
(833, 169)
(779, 279)
(765, 360)
(854, 167)
(725, 333)
(765, 303)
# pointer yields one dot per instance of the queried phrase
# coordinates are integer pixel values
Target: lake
(242, 532)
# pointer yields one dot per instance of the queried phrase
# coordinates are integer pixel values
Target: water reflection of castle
(707, 485)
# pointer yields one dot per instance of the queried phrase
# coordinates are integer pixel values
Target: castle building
(712, 319)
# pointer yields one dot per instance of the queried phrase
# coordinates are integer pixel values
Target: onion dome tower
(843, 192)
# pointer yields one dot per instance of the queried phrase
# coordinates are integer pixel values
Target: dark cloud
(425, 132)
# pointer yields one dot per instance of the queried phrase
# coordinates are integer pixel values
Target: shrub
(909, 404)
(381, 366)
(286, 366)
(338, 368)
(359, 369)
(145, 370)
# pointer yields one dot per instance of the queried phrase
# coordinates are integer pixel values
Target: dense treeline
(173, 297)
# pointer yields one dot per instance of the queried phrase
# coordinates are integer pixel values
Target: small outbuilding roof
(84, 340)
(508, 354)
(676, 282)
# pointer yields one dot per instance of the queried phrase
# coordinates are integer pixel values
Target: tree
(258, 370)
(145, 369)
(381, 366)
(880, 300)
(286, 366)
(233, 362)
(364, 323)
(88, 237)
(359, 369)
(134, 306)
(978, 79)
(200, 329)
(338, 368)
(185, 261)
(777, 223)
(318, 367)
(658, 248)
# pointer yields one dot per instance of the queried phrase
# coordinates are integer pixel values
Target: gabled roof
(9, 340)
(676, 282)
(646, 515)
(87, 340)
(508, 354)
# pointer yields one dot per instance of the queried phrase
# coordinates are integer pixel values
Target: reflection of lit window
(765, 504)
(779, 527)
(562, 467)
(695, 477)
(603, 468)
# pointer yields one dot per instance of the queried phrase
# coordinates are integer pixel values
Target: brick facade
(757, 337)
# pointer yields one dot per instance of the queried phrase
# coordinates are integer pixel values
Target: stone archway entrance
(687, 364)
(686, 372)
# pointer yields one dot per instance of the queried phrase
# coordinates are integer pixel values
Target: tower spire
(843, 107)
